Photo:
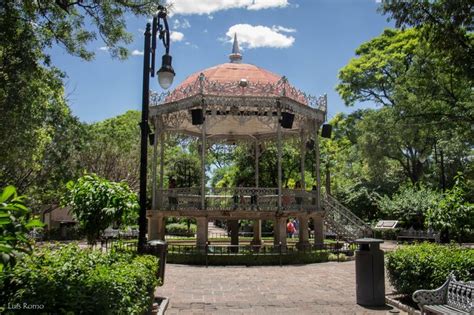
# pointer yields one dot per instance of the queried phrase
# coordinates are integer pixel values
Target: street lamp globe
(166, 73)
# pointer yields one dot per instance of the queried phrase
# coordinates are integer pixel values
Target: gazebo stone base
(303, 245)
(231, 214)
(156, 224)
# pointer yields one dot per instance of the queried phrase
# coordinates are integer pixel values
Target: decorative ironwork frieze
(211, 89)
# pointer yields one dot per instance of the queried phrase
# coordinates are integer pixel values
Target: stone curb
(390, 300)
(160, 309)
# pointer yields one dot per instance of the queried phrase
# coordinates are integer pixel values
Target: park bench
(453, 297)
(411, 235)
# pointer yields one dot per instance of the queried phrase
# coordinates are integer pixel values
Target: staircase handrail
(347, 212)
(334, 205)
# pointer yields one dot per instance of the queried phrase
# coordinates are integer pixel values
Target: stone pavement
(325, 288)
(214, 231)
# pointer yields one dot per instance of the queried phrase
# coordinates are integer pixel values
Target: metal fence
(279, 252)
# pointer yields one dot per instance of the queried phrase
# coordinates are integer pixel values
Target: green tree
(353, 178)
(14, 227)
(185, 168)
(425, 102)
(40, 135)
(74, 24)
(410, 205)
(454, 215)
(446, 24)
(97, 203)
(38, 156)
(112, 148)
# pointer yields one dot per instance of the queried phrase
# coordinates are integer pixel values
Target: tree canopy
(97, 203)
(425, 102)
(74, 24)
(447, 25)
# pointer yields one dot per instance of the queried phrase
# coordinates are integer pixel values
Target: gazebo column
(154, 202)
(234, 233)
(318, 229)
(257, 233)
(202, 231)
(302, 167)
(161, 224)
(279, 149)
(203, 163)
(318, 171)
(257, 224)
(279, 230)
(303, 235)
(318, 217)
(156, 226)
(162, 170)
(155, 221)
(302, 158)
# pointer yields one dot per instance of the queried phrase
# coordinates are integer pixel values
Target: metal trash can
(159, 249)
(370, 274)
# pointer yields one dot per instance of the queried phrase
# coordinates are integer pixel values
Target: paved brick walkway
(326, 288)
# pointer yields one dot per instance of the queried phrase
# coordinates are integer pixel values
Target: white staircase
(342, 221)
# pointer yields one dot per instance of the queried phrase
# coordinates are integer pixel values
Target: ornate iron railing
(207, 87)
(238, 198)
(179, 198)
(342, 221)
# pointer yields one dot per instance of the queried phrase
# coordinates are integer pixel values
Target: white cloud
(104, 48)
(266, 4)
(137, 52)
(278, 28)
(191, 45)
(183, 24)
(176, 36)
(257, 36)
(210, 6)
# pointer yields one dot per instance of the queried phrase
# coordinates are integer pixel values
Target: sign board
(386, 224)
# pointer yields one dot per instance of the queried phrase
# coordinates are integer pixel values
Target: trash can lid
(367, 240)
(156, 242)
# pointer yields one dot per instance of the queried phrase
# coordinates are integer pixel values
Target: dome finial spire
(235, 56)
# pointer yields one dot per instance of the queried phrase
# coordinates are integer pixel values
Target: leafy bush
(181, 229)
(337, 257)
(70, 279)
(72, 233)
(409, 205)
(14, 227)
(390, 234)
(97, 203)
(426, 266)
(247, 259)
(454, 215)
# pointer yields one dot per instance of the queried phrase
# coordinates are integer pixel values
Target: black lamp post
(165, 79)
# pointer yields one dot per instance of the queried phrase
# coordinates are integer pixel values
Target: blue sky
(306, 40)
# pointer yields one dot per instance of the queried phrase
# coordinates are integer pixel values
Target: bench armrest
(429, 297)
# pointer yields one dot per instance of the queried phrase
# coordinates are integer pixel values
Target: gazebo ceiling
(238, 100)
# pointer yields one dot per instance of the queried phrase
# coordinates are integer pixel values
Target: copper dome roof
(233, 72)
(235, 78)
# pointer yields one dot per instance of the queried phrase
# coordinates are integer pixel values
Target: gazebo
(228, 103)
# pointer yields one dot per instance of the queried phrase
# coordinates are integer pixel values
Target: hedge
(181, 229)
(427, 265)
(73, 280)
(248, 259)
